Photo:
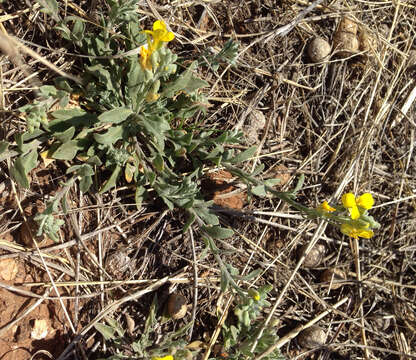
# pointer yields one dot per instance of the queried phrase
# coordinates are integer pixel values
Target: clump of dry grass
(347, 124)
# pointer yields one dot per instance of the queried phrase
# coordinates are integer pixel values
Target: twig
(195, 283)
(355, 252)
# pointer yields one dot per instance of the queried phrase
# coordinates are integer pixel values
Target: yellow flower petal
(145, 58)
(348, 200)
(366, 234)
(354, 213)
(326, 207)
(47, 160)
(159, 25)
(365, 201)
(353, 232)
(254, 294)
(168, 36)
(168, 357)
(151, 97)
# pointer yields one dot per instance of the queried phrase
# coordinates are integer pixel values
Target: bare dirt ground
(347, 123)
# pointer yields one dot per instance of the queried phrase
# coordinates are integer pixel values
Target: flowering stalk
(155, 40)
(355, 223)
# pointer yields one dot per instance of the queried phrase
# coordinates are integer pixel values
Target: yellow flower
(254, 294)
(326, 207)
(158, 36)
(365, 201)
(354, 232)
(349, 201)
(155, 40)
(145, 58)
(151, 97)
(167, 357)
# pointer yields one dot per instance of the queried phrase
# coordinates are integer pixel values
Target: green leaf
(106, 331)
(111, 182)
(259, 190)
(115, 116)
(66, 135)
(224, 281)
(81, 170)
(243, 156)
(218, 232)
(272, 182)
(158, 163)
(111, 136)
(66, 151)
(3, 146)
(115, 325)
(50, 7)
(94, 160)
(206, 216)
(78, 30)
(66, 114)
(299, 184)
(139, 196)
(47, 90)
(183, 82)
(22, 166)
(252, 275)
(85, 183)
(156, 126)
(65, 118)
(246, 318)
(258, 170)
(189, 222)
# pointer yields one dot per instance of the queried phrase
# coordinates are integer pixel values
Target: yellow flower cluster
(167, 357)
(365, 202)
(155, 40)
(356, 207)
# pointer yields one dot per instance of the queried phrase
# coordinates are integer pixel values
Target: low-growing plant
(130, 120)
(172, 345)
(242, 330)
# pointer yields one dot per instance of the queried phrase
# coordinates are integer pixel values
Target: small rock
(8, 269)
(176, 306)
(39, 330)
(130, 324)
(312, 337)
(367, 42)
(345, 43)
(318, 50)
(282, 173)
(315, 256)
(347, 25)
(218, 185)
(255, 125)
(335, 275)
(118, 264)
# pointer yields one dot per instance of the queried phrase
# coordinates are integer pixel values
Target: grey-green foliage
(132, 122)
(239, 334)
(227, 54)
(144, 345)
